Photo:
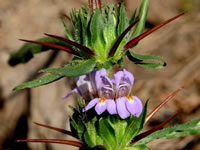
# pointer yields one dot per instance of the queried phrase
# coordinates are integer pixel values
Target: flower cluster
(105, 97)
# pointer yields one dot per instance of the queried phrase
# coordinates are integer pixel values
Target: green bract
(98, 42)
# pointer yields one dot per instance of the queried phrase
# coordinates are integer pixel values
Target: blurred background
(178, 43)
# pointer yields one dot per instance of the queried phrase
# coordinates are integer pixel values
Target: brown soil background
(177, 42)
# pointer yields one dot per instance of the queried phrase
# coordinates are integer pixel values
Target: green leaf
(74, 69)
(119, 127)
(28, 50)
(76, 124)
(139, 60)
(107, 133)
(97, 38)
(91, 135)
(39, 82)
(123, 24)
(190, 128)
(142, 18)
(68, 33)
(134, 127)
(123, 20)
(141, 147)
(133, 17)
(78, 28)
(85, 17)
(110, 28)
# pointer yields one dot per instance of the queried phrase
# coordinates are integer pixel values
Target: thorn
(81, 47)
(170, 97)
(53, 46)
(143, 35)
(149, 132)
(115, 46)
(56, 129)
(66, 142)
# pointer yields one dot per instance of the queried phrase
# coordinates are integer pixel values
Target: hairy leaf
(142, 18)
(97, 38)
(141, 60)
(74, 69)
(190, 128)
(107, 134)
(39, 82)
(28, 50)
(135, 125)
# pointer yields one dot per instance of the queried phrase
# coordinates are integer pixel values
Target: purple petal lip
(134, 106)
(101, 107)
(111, 107)
(121, 108)
(91, 104)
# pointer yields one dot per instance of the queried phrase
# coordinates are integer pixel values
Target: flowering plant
(108, 116)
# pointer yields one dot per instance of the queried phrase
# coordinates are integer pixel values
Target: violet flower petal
(91, 104)
(121, 108)
(70, 93)
(124, 82)
(111, 107)
(134, 105)
(104, 85)
(83, 84)
(101, 106)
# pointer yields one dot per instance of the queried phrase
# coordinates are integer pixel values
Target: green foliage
(144, 7)
(141, 147)
(123, 23)
(140, 60)
(67, 31)
(74, 69)
(28, 50)
(39, 82)
(107, 134)
(190, 128)
(77, 124)
(134, 127)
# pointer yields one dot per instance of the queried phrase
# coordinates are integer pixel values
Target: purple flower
(106, 93)
(98, 87)
(86, 86)
(126, 104)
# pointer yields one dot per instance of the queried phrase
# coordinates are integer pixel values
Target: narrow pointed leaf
(66, 142)
(28, 50)
(55, 129)
(134, 127)
(170, 97)
(132, 20)
(141, 60)
(143, 12)
(97, 37)
(67, 32)
(107, 134)
(190, 128)
(140, 147)
(75, 69)
(52, 46)
(81, 47)
(140, 37)
(123, 20)
(39, 82)
(149, 132)
(117, 43)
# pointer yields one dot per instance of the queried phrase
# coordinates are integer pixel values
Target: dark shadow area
(19, 133)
